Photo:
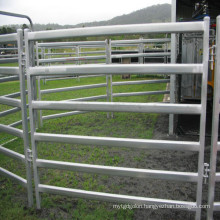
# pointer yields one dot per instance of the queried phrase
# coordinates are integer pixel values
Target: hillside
(155, 13)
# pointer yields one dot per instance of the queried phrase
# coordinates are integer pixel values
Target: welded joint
(29, 155)
(206, 172)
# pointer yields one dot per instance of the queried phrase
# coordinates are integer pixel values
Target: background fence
(108, 56)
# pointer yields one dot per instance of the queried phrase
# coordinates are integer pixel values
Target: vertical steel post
(108, 78)
(165, 50)
(109, 61)
(78, 55)
(141, 50)
(39, 90)
(42, 57)
(27, 150)
(173, 60)
(79, 52)
(49, 51)
(32, 63)
(31, 96)
(203, 116)
(39, 98)
(215, 124)
(37, 53)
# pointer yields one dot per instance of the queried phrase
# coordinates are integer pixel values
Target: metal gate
(214, 176)
(14, 74)
(110, 69)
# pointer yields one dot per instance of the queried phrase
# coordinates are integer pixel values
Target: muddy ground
(187, 130)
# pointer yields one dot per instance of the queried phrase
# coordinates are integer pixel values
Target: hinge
(29, 155)
(206, 172)
(212, 56)
(23, 59)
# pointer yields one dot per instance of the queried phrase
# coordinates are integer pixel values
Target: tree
(7, 30)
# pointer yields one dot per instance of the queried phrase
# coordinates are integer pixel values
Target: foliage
(7, 30)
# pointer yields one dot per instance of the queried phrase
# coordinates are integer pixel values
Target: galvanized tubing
(14, 74)
(118, 30)
(108, 70)
(109, 84)
(79, 58)
(213, 174)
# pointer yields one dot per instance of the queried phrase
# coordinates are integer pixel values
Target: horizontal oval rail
(165, 108)
(125, 94)
(140, 55)
(10, 101)
(118, 142)
(179, 27)
(137, 82)
(157, 40)
(9, 78)
(10, 130)
(116, 197)
(73, 88)
(12, 154)
(10, 111)
(73, 43)
(117, 69)
(119, 171)
(66, 59)
(8, 38)
(65, 114)
(13, 176)
(8, 60)
(9, 70)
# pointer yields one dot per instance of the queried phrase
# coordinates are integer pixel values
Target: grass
(13, 203)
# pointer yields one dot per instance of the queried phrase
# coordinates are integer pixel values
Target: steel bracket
(29, 155)
(23, 59)
(206, 172)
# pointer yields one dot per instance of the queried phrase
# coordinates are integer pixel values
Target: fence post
(40, 124)
(172, 77)
(215, 124)
(141, 50)
(108, 77)
(43, 57)
(203, 116)
(31, 96)
(27, 150)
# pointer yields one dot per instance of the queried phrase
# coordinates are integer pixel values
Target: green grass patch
(124, 125)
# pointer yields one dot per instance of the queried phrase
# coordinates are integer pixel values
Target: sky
(70, 11)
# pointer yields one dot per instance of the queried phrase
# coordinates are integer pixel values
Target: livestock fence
(117, 69)
(108, 45)
(15, 74)
(48, 57)
(84, 105)
(141, 50)
(77, 59)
